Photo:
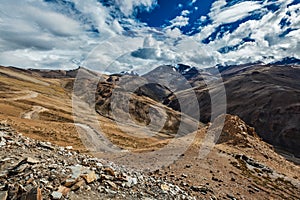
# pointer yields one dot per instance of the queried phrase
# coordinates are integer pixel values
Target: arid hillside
(56, 107)
(265, 96)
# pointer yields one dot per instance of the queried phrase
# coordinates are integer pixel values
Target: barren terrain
(240, 166)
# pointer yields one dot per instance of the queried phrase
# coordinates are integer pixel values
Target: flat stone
(56, 195)
(64, 190)
(53, 166)
(131, 181)
(45, 145)
(78, 170)
(109, 171)
(32, 161)
(49, 187)
(99, 165)
(34, 194)
(77, 185)
(101, 188)
(19, 168)
(106, 177)
(3, 174)
(45, 182)
(90, 177)
(231, 197)
(69, 182)
(6, 159)
(30, 180)
(164, 187)
(112, 184)
(69, 147)
(87, 188)
(110, 191)
(203, 190)
(2, 143)
(3, 195)
(134, 181)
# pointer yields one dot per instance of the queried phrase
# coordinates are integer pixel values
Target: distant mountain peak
(132, 73)
(287, 61)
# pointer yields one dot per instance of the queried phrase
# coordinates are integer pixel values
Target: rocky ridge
(264, 96)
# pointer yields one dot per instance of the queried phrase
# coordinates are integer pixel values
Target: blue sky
(166, 10)
(118, 35)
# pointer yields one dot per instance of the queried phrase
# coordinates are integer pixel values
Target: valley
(156, 136)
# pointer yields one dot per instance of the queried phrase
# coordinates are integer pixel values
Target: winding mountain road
(35, 110)
(27, 94)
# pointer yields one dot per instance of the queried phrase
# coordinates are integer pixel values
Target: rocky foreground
(240, 166)
(37, 170)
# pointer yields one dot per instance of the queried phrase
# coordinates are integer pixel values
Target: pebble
(56, 195)
(3, 195)
(231, 197)
(90, 177)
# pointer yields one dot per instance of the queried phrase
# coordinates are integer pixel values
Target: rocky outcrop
(132, 99)
(236, 132)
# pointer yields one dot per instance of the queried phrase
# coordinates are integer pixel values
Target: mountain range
(265, 96)
(162, 120)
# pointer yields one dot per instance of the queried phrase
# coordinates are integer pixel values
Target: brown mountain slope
(240, 166)
(266, 97)
(41, 108)
(272, 105)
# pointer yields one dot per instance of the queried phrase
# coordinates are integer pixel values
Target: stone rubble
(31, 169)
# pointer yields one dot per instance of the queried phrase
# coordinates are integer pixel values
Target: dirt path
(27, 94)
(35, 110)
(94, 140)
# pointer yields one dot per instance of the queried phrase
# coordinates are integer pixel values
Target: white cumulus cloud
(127, 6)
(179, 21)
